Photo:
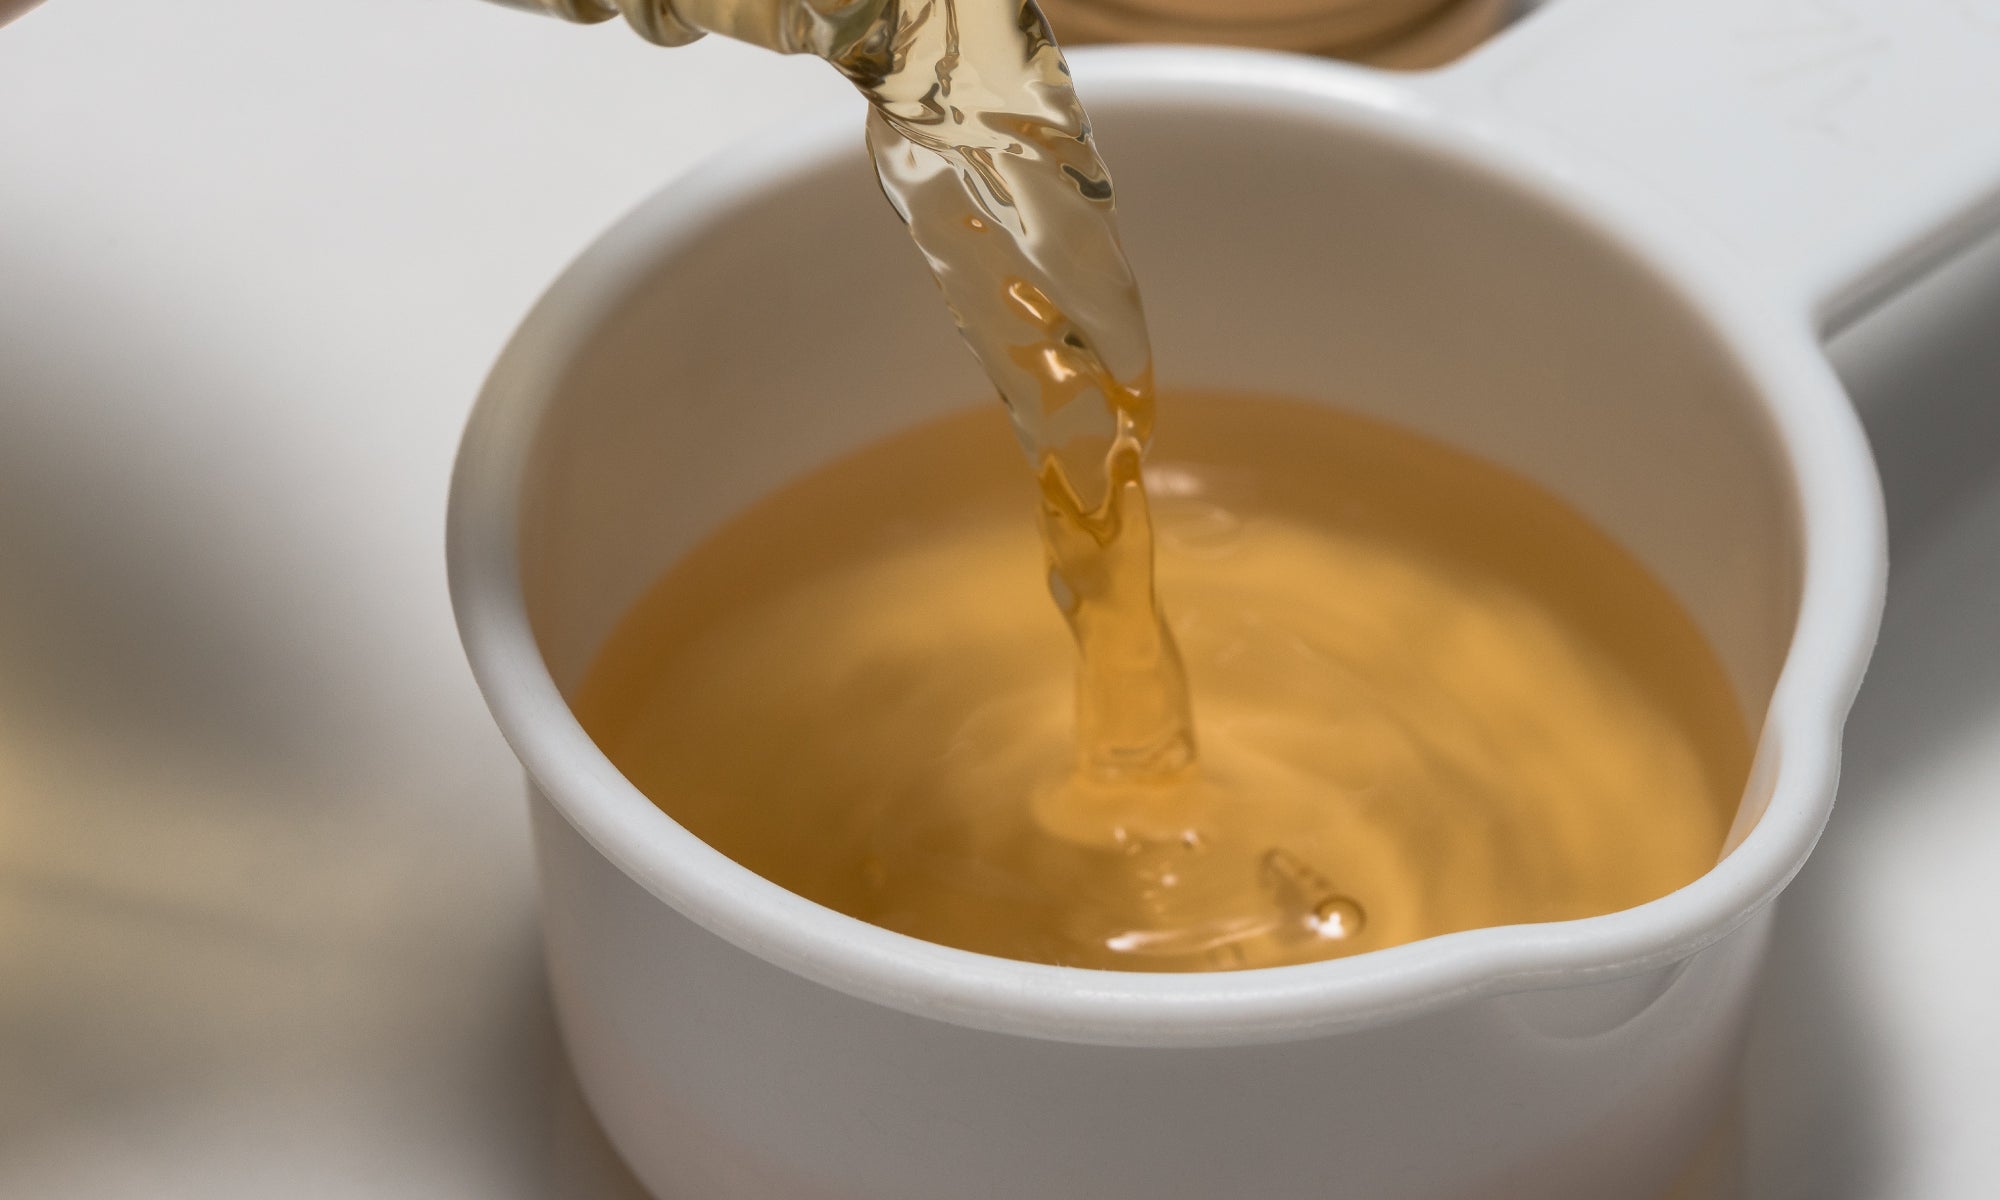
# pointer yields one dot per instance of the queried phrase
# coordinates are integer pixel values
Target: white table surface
(266, 912)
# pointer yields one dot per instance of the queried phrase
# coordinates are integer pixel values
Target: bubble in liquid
(1296, 886)
(1338, 918)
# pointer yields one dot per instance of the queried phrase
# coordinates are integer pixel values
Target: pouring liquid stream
(983, 148)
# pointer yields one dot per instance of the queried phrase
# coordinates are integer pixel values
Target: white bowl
(1402, 247)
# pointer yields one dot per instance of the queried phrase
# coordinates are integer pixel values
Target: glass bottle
(821, 27)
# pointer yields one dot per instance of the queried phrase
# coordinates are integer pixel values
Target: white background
(266, 909)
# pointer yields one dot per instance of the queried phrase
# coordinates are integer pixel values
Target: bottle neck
(824, 28)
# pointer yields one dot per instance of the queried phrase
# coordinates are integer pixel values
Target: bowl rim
(1835, 490)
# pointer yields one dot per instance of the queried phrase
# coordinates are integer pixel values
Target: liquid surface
(1424, 683)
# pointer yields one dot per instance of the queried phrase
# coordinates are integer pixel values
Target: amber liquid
(1424, 683)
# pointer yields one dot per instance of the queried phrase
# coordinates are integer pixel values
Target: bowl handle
(1835, 148)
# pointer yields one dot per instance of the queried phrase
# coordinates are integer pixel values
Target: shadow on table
(583, 1164)
(253, 905)
(1925, 374)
